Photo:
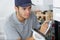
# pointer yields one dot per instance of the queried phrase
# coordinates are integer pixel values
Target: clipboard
(38, 35)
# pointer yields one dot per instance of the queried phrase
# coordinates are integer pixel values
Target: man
(20, 24)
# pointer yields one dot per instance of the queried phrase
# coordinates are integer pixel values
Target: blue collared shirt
(12, 24)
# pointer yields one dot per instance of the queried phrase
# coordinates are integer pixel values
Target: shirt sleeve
(36, 24)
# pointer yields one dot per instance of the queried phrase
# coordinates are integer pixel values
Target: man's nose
(27, 11)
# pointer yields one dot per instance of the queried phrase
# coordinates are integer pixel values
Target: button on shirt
(14, 29)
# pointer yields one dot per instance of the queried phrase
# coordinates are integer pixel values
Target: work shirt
(14, 29)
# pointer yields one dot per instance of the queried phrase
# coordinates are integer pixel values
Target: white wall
(6, 7)
(56, 15)
(56, 3)
(56, 9)
(43, 4)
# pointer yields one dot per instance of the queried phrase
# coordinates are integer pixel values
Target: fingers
(30, 38)
(19, 38)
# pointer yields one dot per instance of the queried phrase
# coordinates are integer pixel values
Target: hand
(30, 38)
(44, 27)
(19, 38)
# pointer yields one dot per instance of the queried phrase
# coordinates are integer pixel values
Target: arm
(19, 38)
(10, 33)
(44, 27)
(30, 38)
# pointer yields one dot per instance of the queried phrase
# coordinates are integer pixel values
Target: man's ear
(16, 9)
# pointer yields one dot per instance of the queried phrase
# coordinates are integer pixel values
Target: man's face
(24, 12)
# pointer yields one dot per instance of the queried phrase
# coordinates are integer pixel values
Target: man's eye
(24, 8)
(30, 8)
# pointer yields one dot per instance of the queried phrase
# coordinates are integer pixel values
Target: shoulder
(33, 16)
(8, 24)
(8, 20)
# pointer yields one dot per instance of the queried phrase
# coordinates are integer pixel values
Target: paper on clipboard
(38, 36)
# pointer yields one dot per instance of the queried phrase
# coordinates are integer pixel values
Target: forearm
(44, 27)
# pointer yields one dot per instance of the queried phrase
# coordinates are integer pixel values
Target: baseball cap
(23, 3)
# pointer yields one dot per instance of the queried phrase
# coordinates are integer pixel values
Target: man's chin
(26, 17)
